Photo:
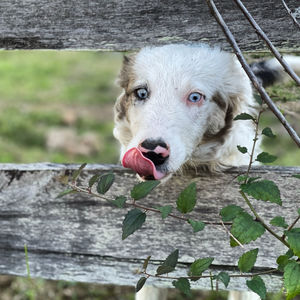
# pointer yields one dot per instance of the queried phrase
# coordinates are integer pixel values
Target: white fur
(171, 73)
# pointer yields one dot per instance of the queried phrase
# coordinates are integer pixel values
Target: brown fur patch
(220, 101)
(219, 136)
(126, 74)
(125, 77)
(121, 107)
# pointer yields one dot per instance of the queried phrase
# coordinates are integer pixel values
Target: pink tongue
(135, 160)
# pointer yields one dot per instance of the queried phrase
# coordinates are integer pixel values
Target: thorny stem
(209, 276)
(262, 221)
(259, 31)
(251, 75)
(134, 204)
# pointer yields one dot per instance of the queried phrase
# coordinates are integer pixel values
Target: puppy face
(175, 107)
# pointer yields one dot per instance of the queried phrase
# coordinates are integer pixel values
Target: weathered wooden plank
(79, 238)
(128, 24)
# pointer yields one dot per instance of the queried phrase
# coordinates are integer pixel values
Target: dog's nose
(155, 150)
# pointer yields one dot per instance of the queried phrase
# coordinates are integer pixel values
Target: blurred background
(57, 107)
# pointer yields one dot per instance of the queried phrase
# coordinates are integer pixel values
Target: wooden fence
(78, 237)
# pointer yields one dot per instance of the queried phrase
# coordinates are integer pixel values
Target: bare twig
(290, 13)
(250, 73)
(260, 32)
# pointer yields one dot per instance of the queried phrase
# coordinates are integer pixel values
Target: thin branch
(291, 226)
(290, 13)
(226, 230)
(134, 204)
(262, 221)
(209, 276)
(250, 73)
(254, 144)
(260, 32)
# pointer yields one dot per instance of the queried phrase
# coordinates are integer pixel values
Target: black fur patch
(264, 74)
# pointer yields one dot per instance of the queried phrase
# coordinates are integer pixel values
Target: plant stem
(134, 204)
(210, 276)
(291, 226)
(253, 145)
(262, 221)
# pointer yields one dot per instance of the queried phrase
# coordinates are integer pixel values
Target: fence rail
(78, 237)
(128, 24)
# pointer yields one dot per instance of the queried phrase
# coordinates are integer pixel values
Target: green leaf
(146, 262)
(242, 149)
(257, 285)
(247, 260)
(268, 132)
(119, 201)
(299, 211)
(142, 189)
(223, 277)
(77, 172)
(199, 266)
(265, 157)
(242, 178)
(169, 264)
(140, 284)
(165, 210)
(282, 261)
(229, 212)
(279, 222)
(292, 279)
(134, 219)
(197, 225)
(105, 182)
(293, 238)
(187, 199)
(244, 116)
(245, 229)
(183, 285)
(258, 99)
(289, 253)
(264, 190)
(94, 179)
(296, 176)
(66, 192)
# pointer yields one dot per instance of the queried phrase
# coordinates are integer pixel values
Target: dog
(177, 106)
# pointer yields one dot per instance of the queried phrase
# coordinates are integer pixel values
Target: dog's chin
(150, 177)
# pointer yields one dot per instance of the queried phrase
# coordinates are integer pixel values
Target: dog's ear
(126, 73)
(220, 123)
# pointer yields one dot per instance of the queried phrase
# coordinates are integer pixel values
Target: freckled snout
(155, 150)
(147, 158)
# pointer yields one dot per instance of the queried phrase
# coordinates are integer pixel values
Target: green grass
(37, 88)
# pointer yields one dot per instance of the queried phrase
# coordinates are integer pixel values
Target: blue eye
(141, 93)
(195, 97)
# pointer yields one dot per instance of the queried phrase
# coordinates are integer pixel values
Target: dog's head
(176, 106)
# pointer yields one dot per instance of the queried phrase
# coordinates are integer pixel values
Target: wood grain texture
(78, 237)
(128, 24)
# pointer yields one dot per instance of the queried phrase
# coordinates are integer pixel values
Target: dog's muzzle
(147, 159)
